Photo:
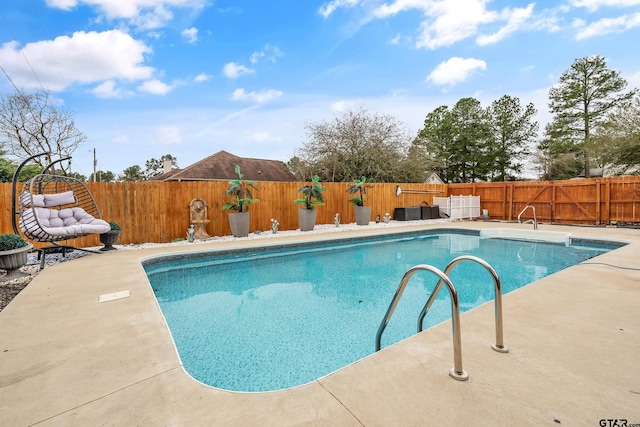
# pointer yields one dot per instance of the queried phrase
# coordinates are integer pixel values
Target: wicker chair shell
(45, 184)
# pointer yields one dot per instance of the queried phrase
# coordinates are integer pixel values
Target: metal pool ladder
(457, 372)
(534, 221)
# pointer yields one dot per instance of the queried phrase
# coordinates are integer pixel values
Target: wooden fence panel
(575, 203)
(624, 200)
(536, 194)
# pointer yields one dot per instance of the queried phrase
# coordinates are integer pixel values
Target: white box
(459, 207)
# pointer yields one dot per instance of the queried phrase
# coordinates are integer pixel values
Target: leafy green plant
(114, 226)
(359, 188)
(240, 192)
(9, 242)
(312, 194)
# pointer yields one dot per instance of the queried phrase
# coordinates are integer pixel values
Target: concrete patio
(574, 339)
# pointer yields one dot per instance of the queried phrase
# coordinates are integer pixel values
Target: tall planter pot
(363, 215)
(239, 222)
(12, 261)
(307, 219)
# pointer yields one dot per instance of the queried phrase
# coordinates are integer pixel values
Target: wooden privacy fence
(159, 212)
(586, 201)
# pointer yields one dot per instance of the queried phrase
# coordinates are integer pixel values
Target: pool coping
(574, 338)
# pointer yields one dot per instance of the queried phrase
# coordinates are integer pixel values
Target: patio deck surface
(574, 339)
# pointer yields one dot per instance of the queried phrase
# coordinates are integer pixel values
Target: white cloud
(62, 4)
(578, 23)
(515, 18)
(154, 19)
(607, 25)
(455, 70)
(142, 13)
(446, 22)
(258, 97)
(256, 56)
(202, 77)
(107, 90)
(593, 5)
(328, 8)
(155, 87)
(168, 135)
(191, 34)
(271, 53)
(399, 39)
(82, 58)
(451, 21)
(233, 70)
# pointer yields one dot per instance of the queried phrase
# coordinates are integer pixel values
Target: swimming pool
(267, 319)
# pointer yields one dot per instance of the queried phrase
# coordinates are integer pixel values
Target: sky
(145, 78)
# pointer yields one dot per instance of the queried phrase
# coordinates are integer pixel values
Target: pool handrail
(534, 221)
(457, 372)
(499, 344)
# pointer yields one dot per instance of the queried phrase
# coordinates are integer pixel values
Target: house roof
(221, 166)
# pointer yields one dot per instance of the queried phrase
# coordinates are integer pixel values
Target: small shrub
(9, 242)
(114, 226)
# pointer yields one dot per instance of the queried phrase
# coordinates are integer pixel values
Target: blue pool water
(267, 319)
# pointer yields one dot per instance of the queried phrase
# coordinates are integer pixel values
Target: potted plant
(110, 237)
(363, 213)
(241, 198)
(13, 255)
(311, 197)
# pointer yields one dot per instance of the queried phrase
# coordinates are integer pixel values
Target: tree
(132, 174)
(302, 170)
(436, 138)
(77, 176)
(8, 169)
(460, 139)
(105, 176)
(354, 144)
(156, 167)
(619, 137)
(580, 101)
(514, 130)
(30, 124)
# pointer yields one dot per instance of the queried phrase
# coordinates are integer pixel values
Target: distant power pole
(95, 163)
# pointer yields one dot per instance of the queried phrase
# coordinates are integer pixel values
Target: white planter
(12, 261)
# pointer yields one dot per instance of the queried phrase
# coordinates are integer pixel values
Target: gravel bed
(9, 289)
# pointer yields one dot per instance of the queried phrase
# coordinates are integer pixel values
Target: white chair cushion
(58, 199)
(65, 222)
(26, 199)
